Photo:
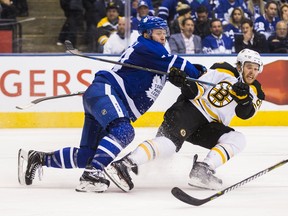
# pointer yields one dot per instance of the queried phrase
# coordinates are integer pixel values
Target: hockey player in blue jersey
(114, 99)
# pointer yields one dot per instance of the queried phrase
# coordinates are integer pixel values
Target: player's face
(250, 72)
(159, 35)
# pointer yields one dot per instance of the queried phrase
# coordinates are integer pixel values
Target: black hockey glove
(201, 68)
(177, 77)
(190, 90)
(240, 93)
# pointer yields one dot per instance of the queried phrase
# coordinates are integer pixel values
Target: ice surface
(55, 194)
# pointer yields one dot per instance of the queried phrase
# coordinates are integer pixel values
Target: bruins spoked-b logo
(219, 95)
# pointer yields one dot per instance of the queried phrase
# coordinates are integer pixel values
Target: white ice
(55, 194)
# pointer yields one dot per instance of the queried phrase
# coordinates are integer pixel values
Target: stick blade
(184, 197)
(23, 107)
(71, 49)
(68, 45)
(22, 162)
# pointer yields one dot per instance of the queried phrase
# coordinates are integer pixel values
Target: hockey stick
(18, 22)
(73, 51)
(184, 197)
(39, 100)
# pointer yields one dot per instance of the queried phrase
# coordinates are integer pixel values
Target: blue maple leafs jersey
(263, 26)
(217, 45)
(139, 89)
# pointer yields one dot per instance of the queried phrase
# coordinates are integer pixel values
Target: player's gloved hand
(177, 77)
(201, 68)
(240, 93)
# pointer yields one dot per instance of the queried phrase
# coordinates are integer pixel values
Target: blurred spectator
(250, 38)
(281, 2)
(202, 23)
(209, 4)
(117, 42)
(185, 42)
(142, 11)
(135, 5)
(266, 24)
(217, 42)
(234, 25)
(106, 26)
(225, 7)
(7, 10)
(167, 9)
(92, 16)
(21, 8)
(95, 10)
(183, 11)
(279, 42)
(284, 12)
(73, 11)
(256, 8)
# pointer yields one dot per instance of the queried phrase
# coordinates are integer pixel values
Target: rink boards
(27, 77)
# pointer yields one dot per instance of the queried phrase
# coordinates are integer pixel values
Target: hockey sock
(218, 155)
(106, 152)
(228, 146)
(159, 147)
(69, 158)
(121, 133)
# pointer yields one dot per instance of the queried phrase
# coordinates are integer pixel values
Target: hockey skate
(202, 176)
(34, 161)
(118, 172)
(93, 180)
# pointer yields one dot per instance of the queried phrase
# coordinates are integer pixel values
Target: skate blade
(89, 187)
(194, 182)
(22, 162)
(112, 175)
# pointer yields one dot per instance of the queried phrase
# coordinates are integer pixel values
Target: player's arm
(240, 92)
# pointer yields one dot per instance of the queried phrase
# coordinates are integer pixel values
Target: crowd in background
(12, 9)
(196, 26)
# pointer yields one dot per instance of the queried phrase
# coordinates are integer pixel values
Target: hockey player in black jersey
(201, 116)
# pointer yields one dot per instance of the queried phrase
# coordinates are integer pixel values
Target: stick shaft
(39, 100)
(70, 49)
(184, 197)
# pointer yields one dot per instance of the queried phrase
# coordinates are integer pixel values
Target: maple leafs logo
(156, 87)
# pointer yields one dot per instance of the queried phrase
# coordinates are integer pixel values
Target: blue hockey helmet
(148, 23)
